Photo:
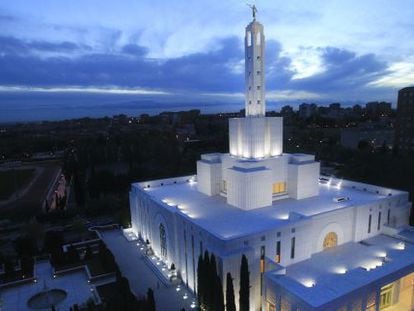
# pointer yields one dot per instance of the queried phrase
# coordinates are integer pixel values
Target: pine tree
(150, 300)
(244, 292)
(230, 305)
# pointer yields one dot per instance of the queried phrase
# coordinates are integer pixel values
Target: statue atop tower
(254, 10)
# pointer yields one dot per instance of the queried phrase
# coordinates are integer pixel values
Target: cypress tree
(206, 285)
(219, 297)
(150, 300)
(212, 281)
(230, 305)
(244, 292)
(200, 280)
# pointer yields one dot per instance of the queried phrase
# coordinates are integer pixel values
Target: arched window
(163, 241)
(330, 240)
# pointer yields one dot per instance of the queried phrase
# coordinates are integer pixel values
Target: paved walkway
(75, 284)
(140, 276)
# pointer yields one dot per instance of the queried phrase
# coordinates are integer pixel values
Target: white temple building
(312, 243)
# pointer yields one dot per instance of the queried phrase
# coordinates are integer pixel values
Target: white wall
(249, 188)
(209, 177)
(303, 180)
(256, 137)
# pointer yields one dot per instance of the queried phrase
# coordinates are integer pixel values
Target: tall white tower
(256, 172)
(255, 136)
(254, 47)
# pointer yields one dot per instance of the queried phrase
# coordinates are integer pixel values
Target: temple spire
(254, 68)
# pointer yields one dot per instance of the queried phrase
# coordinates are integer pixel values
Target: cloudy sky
(316, 50)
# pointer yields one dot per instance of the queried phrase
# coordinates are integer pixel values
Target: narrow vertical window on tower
(249, 38)
(258, 38)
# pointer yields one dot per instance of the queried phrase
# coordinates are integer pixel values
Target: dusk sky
(317, 50)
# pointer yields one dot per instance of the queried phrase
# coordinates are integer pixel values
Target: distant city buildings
(307, 110)
(376, 137)
(404, 125)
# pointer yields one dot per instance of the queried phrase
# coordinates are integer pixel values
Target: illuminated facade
(312, 243)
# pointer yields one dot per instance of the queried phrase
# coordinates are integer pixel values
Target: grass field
(13, 180)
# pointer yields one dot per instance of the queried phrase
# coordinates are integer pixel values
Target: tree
(212, 281)
(72, 254)
(219, 297)
(244, 292)
(230, 304)
(8, 267)
(27, 264)
(107, 258)
(150, 300)
(200, 280)
(88, 253)
(206, 288)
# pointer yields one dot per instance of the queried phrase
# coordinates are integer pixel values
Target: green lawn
(12, 180)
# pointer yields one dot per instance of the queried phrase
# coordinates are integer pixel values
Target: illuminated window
(386, 296)
(262, 266)
(279, 187)
(277, 258)
(258, 38)
(331, 240)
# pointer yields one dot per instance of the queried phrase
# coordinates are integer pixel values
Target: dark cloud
(212, 71)
(134, 49)
(344, 71)
(278, 72)
(10, 46)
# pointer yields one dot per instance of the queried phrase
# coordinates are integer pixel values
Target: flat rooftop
(213, 214)
(336, 272)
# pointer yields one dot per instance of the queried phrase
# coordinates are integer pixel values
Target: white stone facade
(275, 209)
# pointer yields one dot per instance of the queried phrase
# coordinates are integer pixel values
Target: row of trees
(210, 289)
